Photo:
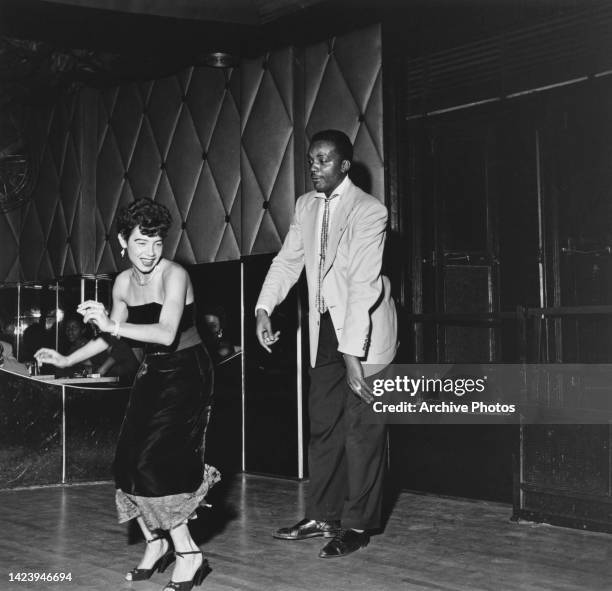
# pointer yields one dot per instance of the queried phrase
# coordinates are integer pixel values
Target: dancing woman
(159, 470)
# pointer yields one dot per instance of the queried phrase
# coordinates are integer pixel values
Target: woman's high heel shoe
(203, 570)
(161, 564)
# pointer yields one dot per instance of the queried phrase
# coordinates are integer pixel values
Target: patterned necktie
(320, 300)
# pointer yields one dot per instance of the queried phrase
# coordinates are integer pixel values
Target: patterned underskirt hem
(169, 511)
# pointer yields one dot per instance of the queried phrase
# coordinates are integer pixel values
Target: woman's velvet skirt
(159, 468)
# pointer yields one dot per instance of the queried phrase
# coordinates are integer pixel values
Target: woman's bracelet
(115, 331)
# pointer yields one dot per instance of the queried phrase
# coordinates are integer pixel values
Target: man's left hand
(355, 379)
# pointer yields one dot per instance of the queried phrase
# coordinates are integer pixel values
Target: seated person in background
(218, 345)
(76, 332)
(77, 336)
(7, 330)
(7, 359)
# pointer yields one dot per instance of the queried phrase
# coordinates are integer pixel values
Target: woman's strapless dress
(159, 468)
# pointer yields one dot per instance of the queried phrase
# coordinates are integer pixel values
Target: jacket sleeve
(286, 267)
(364, 279)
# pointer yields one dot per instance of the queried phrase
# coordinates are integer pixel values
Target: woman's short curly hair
(152, 218)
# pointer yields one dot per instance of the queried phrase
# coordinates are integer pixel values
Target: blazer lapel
(338, 225)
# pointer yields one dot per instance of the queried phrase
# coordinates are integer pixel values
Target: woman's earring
(123, 253)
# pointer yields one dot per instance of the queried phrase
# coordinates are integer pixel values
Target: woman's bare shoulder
(123, 278)
(175, 277)
(174, 270)
(121, 282)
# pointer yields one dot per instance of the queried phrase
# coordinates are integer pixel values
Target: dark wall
(499, 205)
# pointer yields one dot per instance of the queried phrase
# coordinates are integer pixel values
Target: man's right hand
(265, 336)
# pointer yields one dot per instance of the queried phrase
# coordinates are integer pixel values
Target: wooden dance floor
(429, 544)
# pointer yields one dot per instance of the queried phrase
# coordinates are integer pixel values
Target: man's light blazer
(357, 295)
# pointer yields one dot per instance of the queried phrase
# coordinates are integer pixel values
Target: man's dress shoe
(345, 542)
(308, 528)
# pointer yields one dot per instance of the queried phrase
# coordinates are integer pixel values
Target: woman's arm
(175, 283)
(52, 357)
(91, 348)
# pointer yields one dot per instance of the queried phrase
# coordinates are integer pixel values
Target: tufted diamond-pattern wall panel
(267, 165)
(175, 140)
(49, 242)
(216, 146)
(343, 90)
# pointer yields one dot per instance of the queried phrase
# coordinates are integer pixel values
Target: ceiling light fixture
(218, 59)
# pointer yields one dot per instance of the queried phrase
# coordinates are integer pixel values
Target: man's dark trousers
(346, 455)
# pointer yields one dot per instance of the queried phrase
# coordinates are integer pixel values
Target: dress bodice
(149, 314)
